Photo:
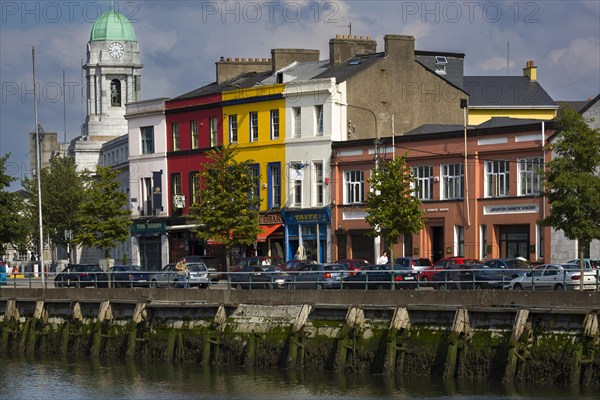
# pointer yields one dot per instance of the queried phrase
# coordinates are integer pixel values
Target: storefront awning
(266, 231)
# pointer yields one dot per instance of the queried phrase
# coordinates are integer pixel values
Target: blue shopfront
(307, 231)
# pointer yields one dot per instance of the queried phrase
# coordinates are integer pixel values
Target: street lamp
(464, 104)
(38, 157)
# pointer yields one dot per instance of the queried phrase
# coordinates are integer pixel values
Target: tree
(12, 227)
(62, 194)
(104, 219)
(572, 181)
(392, 208)
(227, 209)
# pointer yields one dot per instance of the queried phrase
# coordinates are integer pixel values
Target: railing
(447, 279)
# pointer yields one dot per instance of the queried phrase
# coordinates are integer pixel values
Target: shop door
(150, 254)
(514, 241)
(437, 243)
(363, 247)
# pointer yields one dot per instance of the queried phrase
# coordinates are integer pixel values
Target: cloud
(581, 56)
(496, 63)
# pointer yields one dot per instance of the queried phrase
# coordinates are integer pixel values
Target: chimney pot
(237, 59)
(243, 59)
(228, 58)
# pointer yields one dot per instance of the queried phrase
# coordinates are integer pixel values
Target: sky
(180, 40)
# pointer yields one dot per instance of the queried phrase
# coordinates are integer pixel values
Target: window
(459, 233)
(233, 129)
(482, 242)
(453, 178)
(195, 187)
(424, 182)
(297, 113)
(318, 183)
(530, 175)
(297, 193)
(254, 126)
(274, 185)
(214, 131)
(274, 124)
(319, 120)
(496, 177)
(115, 93)
(147, 139)
(354, 187)
(176, 183)
(255, 174)
(194, 134)
(175, 133)
(540, 241)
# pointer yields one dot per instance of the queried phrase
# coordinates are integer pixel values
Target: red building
(491, 208)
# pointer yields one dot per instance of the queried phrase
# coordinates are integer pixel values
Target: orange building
(489, 209)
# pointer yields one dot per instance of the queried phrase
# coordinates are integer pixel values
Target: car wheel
(517, 286)
(153, 284)
(238, 286)
(320, 286)
(559, 286)
(441, 286)
(289, 286)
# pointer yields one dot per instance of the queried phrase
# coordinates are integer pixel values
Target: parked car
(258, 260)
(416, 263)
(3, 271)
(588, 263)
(82, 275)
(353, 264)
(445, 263)
(510, 267)
(381, 276)
(129, 276)
(258, 277)
(295, 265)
(213, 263)
(197, 276)
(470, 276)
(555, 277)
(317, 276)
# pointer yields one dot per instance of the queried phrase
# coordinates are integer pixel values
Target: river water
(49, 378)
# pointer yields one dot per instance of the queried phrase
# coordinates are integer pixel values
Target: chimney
(343, 47)
(400, 47)
(228, 68)
(530, 71)
(284, 57)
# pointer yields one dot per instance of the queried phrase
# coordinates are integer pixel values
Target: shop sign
(511, 209)
(152, 227)
(270, 219)
(306, 217)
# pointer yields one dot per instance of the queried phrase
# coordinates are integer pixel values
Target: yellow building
(508, 96)
(254, 121)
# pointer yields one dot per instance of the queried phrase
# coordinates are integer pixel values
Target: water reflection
(35, 377)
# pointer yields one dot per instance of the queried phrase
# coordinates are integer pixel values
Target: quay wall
(513, 336)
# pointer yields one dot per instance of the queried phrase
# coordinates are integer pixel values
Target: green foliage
(392, 208)
(572, 181)
(104, 219)
(12, 227)
(226, 211)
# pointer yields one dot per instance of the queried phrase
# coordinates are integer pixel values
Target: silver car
(554, 277)
(197, 275)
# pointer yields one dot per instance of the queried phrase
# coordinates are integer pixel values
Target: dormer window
(440, 65)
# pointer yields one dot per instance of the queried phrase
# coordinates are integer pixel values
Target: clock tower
(113, 75)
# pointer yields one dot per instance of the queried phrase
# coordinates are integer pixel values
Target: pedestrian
(297, 255)
(182, 270)
(383, 259)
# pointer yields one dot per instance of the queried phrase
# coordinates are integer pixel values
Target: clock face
(116, 49)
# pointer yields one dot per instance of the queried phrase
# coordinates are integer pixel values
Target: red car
(445, 263)
(353, 264)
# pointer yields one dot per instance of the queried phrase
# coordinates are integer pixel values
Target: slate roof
(243, 81)
(427, 129)
(506, 91)
(300, 71)
(498, 122)
(344, 70)
(494, 122)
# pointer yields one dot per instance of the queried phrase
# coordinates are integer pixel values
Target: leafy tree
(104, 218)
(227, 211)
(62, 194)
(392, 208)
(572, 181)
(12, 227)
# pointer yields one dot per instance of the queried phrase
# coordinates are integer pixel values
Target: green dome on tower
(113, 26)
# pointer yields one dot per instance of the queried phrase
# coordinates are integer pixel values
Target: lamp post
(464, 104)
(38, 157)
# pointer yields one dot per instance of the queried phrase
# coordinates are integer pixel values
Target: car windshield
(334, 267)
(422, 262)
(402, 267)
(196, 267)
